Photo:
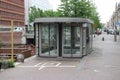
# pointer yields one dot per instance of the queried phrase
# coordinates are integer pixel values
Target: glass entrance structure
(63, 37)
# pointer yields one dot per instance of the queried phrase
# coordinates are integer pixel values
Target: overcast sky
(105, 8)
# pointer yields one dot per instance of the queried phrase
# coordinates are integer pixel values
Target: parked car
(98, 32)
(117, 32)
(111, 31)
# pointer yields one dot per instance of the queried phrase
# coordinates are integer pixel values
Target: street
(102, 64)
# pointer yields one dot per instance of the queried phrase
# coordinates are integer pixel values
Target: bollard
(102, 38)
(20, 58)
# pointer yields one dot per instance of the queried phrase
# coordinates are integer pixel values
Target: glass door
(67, 42)
(44, 41)
(53, 41)
(71, 41)
(48, 41)
(75, 42)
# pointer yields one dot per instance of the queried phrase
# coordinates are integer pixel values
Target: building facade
(115, 19)
(11, 10)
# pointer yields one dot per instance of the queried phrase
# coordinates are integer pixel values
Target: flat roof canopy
(62, 20)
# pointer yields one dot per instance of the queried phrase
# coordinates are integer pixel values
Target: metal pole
(115, 35)
(116, 20)
(12, 41)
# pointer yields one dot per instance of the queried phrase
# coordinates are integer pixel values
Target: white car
(111, 31)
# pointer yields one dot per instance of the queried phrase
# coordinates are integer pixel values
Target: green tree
(79, 8)
(50, 13)
(69, 8)
(95, 17)
(75, 8)
(35, 13)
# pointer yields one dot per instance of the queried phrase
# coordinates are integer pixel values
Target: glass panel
(71, 41)
(67, 40)
(76, 41)
(87, 39)
(91, 36)
(77, 36)
(48, 41)
(45, 40)
(53, 41)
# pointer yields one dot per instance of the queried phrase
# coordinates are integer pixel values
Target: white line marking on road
(37, 64)
(42, 66)
(28, 66)
(58, 64)
(67, 66)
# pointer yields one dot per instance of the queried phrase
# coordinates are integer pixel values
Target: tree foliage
(37, 12)
(75, 8)
(69, 8)
(80, 8)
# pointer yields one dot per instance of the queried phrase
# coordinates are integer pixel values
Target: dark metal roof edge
(61, 19)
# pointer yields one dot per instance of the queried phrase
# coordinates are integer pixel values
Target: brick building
(11, 10)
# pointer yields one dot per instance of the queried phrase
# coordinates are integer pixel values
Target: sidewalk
(104, 62)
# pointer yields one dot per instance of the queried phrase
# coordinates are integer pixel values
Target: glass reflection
(48, 41)
(45, 39)
(67, 40)
(76, 41)
(71, 41)
(53, 41)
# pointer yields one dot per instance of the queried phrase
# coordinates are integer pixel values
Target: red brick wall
(5, 37)
(12, 10)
